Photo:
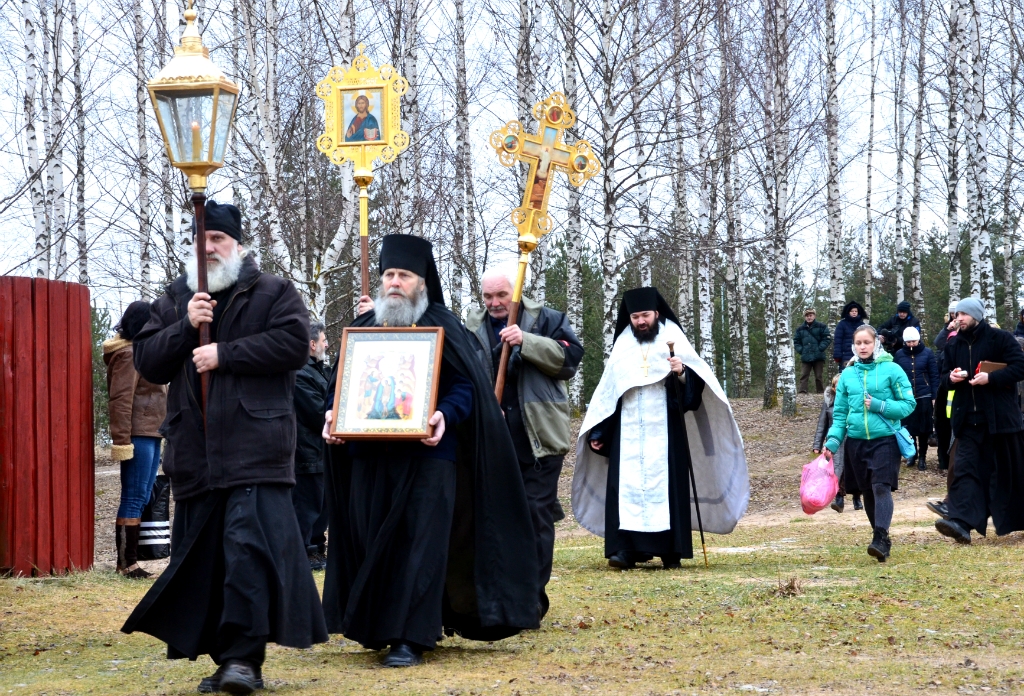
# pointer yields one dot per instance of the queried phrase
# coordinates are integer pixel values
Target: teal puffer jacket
(892, 400)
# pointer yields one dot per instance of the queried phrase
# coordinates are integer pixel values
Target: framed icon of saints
(387, 383)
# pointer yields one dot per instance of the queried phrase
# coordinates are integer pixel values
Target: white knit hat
(911, 334)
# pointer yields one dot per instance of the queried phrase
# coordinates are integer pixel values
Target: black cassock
(418, 544)
(677, 539)
(237, 576)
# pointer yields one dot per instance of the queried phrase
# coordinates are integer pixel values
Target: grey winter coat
(550, 355)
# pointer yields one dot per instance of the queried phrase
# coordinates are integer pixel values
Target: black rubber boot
(857, 505)
(880, 545)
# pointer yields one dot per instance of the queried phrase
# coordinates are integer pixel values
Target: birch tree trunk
(978, 146)
(142, 156)
(462, 156)
(837, 285)
(869, 274)
(59, 199)
(901, 144)
(335, 259)
(78, 219)
(965, 78)
(771, 305)
(916, 285)
(680, 209)
(952, 152)
(409, 183)
(609, 229)
(264, 92)
(787, 376)
(1009, 218)
(44, 112)
(42, 258)
(705, 286)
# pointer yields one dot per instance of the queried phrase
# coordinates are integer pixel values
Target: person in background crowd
(846, 484)
(853, 316)
(892, 330)
(1019, 331)
(137, 408)
(238, 577)
(988, 473)
(943, 410)
(811, 340)
(308, 495)
(922, 370)
(871, 398)
(545, 353)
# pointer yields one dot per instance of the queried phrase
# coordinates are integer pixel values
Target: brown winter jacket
(137, 407)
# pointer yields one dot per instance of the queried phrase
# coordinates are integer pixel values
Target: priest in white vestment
(651, 418)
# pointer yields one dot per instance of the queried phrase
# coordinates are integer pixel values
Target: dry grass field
(790, 605)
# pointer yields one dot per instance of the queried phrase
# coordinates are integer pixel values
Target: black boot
(911, 461)
(839, 503)
(211, 684)
(857, 505)
(880, 545)
(126, 539)
(402, 654)
(625, 560)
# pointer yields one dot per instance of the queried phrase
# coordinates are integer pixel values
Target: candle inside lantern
(197, 146)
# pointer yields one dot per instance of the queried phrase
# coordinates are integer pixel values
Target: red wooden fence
(46, 439)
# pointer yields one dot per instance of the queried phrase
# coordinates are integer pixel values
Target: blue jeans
(138, 475)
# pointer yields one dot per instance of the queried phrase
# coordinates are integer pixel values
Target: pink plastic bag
(818, 485)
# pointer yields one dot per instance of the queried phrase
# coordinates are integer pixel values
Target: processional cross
(545, 152)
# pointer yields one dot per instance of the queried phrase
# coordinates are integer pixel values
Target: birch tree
(916, 282)
(142, 151)
(869, 273)
(901, 141)
(837, 286)
(952, 150)
(42, 231)
(78, 215)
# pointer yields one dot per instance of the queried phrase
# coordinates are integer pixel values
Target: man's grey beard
(399, 310)
(219, 276)
(647, 335)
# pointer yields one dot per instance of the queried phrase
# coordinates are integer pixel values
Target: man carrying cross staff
(634, 458)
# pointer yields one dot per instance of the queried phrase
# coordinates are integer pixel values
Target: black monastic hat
(221, 217)
(414, 254)
(642, 300)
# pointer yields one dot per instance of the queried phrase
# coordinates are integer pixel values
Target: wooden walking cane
(693, 481)
(513, 317)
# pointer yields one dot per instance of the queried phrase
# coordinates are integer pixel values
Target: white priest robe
(715, 445)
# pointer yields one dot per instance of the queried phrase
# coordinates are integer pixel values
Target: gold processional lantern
(195, 106)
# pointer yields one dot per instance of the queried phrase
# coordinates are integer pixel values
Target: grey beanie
(971, 306)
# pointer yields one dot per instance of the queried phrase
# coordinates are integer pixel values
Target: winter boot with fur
(881, 545)
(126, 538)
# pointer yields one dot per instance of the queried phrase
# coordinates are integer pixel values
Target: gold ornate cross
(545, 152)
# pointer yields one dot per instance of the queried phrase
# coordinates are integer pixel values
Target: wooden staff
(199, 206)
(513, 317)
(693, 481)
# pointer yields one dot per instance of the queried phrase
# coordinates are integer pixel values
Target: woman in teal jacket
(872, 396)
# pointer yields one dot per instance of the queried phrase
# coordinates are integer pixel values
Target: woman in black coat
(922, 370)
(842, 347)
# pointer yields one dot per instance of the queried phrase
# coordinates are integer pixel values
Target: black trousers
(986, 479)
(541, 481)
(309, 500)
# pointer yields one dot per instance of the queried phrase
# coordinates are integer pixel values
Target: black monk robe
(678, 539)
(387, 566)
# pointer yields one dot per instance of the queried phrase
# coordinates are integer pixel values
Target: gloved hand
(515, 362)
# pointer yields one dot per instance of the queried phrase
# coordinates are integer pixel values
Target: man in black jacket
(308, 494)
(891, 331)
(238, 577)
(989, 452)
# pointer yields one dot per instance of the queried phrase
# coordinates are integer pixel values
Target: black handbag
(155, 534)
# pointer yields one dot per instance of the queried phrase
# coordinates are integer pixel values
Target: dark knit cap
(903, 306)
(221, 217)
